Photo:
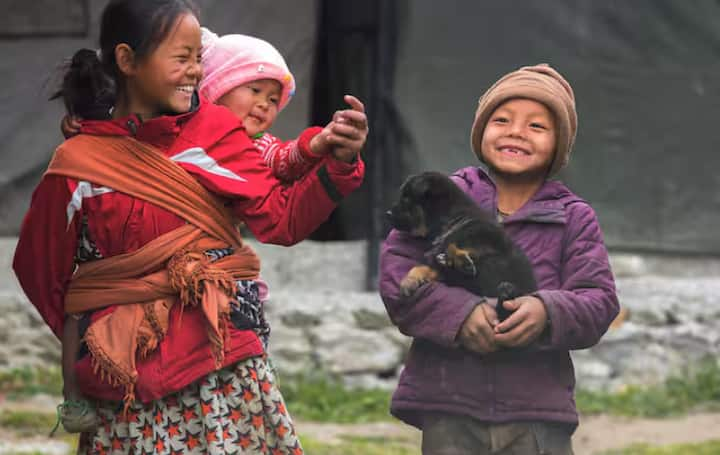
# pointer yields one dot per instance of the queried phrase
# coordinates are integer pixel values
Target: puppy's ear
(428, 190)
(421, 187)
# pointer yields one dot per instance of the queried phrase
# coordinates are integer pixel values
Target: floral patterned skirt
(237, 410)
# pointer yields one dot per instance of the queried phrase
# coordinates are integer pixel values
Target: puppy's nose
(391, 220)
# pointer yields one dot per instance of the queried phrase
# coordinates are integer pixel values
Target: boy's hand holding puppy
(477, 333)
(526, 323)
(483, 333)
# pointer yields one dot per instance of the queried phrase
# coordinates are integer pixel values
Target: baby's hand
(320, 145)
(70, 126)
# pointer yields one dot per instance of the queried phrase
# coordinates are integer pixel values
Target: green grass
(31, 424)
(359, 446)
(23, 382)
(692, 390)
(323, 399)
(326, 400)
(27, 423)
(704, 448)
(319, 397)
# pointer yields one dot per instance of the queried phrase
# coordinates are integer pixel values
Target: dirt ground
(596, 434)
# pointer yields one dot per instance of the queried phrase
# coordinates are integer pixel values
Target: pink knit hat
(232, 60)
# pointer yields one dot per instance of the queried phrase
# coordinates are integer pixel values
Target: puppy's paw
(506, 290)
(416, 277)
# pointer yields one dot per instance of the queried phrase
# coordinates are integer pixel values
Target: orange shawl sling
(170, 269)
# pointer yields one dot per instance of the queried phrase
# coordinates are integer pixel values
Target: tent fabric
(645, 77)
(30, 125)
(648, 95)
(47, 18)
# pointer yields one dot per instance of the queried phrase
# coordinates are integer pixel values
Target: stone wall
(322, 319)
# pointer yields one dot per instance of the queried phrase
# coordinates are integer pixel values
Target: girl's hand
(476, 333)
(70, 126)
(524, 325)
(348, 130)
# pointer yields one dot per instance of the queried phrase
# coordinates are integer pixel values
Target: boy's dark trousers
(449, 434)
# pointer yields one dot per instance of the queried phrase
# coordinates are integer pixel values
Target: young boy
(471, 384)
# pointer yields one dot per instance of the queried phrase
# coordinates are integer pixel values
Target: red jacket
(288, 160)
(210, 144)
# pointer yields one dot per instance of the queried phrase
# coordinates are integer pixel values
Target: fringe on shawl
(111, 372)
(191, 275)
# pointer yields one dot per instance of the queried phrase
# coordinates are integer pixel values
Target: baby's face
(255, 103)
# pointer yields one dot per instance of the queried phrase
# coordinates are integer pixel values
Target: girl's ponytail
(87, 90)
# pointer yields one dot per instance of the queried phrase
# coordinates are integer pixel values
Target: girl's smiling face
(164, 81)
(520, 139)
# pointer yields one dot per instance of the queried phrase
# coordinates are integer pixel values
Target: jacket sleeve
(44, 256)
(275, 212)
(581, 311)
(435, 311)
(288, 160)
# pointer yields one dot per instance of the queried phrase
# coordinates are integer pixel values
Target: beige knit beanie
(542, 84)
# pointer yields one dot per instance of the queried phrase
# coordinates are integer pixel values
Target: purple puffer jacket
(559, 233)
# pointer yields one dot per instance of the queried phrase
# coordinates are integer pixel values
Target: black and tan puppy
(469, 248)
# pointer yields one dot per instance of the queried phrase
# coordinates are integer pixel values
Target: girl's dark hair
(92, 80)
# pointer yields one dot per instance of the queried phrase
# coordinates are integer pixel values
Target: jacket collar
(156, 131)
(547, 205)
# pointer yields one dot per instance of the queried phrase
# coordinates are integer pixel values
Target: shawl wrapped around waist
(171, 269)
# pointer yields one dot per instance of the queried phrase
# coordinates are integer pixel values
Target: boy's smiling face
(255, 103)
(520, 139)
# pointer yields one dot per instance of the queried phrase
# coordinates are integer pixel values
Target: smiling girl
(131, 244)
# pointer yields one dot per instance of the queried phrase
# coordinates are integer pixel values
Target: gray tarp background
(647, 79)
(30, 125)
(645, 75)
